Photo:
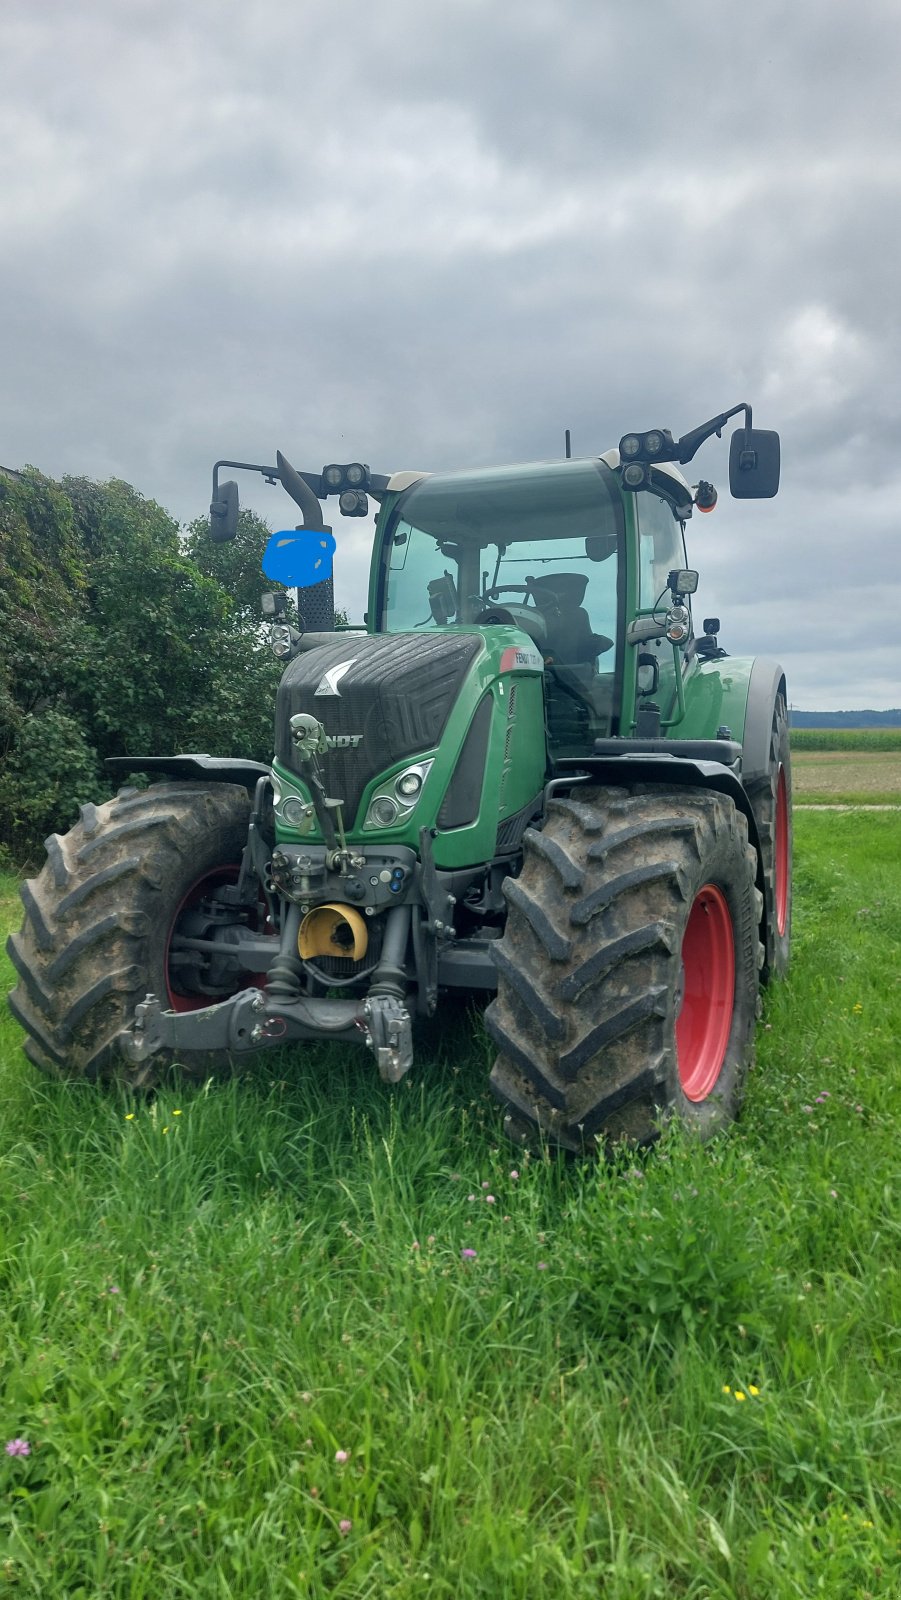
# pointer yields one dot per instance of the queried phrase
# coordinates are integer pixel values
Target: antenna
(567, 445)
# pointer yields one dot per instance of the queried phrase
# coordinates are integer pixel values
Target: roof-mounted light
(353, 475)
(637, 475)
(353, 503)
(655, 445)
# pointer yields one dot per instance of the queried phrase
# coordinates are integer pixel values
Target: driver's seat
(571, 640)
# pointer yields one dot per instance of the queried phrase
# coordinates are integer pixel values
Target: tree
(235, 566)
(113, 641)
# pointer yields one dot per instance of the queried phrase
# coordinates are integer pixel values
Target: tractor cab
(540, 548)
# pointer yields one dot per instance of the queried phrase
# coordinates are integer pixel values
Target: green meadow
(301, 1334)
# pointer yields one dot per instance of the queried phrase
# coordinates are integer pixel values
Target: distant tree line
(118, 636)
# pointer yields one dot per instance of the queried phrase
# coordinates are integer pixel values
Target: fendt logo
(328, 683)
(343, 741)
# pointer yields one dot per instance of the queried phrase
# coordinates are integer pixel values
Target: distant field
(836, 765)
(846, 739)
(836, 776)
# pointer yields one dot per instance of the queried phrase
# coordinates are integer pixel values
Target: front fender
(767, 682)
(737, 692)
(643, 766)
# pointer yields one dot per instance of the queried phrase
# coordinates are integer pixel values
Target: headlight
(383, 811)
(408, 785)
(396, 800)
(295, 811)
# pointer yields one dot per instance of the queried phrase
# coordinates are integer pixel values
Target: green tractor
(528, 778)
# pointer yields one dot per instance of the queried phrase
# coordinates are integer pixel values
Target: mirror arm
(269, 473)
(690, 443)
(301, 492)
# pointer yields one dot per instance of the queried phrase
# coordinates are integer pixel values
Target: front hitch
(251, 1021)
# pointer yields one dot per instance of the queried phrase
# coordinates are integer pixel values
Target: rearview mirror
(600, 546)
(754, 457)
(224, 513)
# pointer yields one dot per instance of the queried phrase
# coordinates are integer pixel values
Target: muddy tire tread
(90, 944)
(590, 962)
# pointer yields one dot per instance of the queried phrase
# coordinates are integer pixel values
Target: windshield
(542, 538)
(538, 547)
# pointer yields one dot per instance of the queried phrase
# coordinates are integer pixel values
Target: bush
(114, 642)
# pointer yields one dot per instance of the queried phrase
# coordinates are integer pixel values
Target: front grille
(397, 694)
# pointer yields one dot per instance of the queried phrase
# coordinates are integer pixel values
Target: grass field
(305, 1335)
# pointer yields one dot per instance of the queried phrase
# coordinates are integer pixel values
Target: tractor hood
(380, 698)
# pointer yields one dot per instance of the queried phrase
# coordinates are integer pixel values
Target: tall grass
(304, 1335)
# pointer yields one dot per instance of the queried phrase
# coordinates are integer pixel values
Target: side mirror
(754, 458)
(224, 513)
(648, 676)
(443, 599)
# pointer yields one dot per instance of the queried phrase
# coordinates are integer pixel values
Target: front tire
(628, 971)
(99, 924)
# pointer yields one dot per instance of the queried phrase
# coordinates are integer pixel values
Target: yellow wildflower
(129, 1116)
(739, 1395)
(726, 1389)
(752, 1389)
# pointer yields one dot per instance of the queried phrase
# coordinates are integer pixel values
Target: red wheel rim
(781, 852)
(708, 993)
(197, 892)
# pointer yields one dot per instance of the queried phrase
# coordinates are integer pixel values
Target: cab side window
(659, 545)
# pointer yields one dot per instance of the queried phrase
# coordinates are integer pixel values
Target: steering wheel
(507, 588)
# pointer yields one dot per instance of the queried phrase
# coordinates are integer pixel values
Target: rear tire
(771, 802)
(628, 970)
(99, 919)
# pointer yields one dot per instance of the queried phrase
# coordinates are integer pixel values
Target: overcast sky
(435, 234)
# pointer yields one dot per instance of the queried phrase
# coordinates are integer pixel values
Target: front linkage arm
(250, 1021)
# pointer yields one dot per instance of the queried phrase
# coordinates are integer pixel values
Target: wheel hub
(704, 1016)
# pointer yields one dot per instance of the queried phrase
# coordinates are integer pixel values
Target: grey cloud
(437, 238)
